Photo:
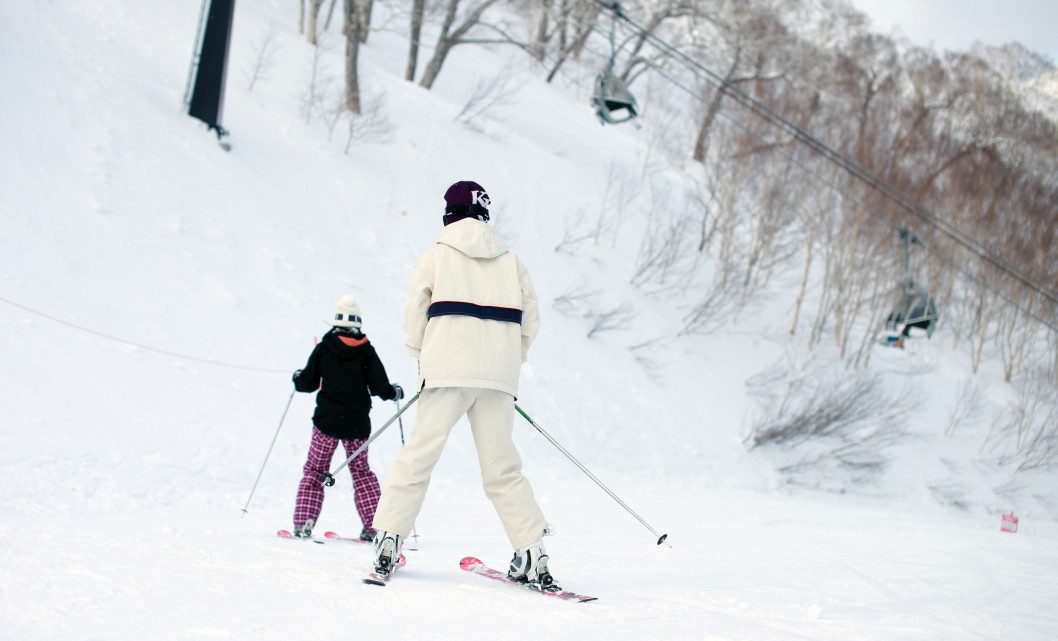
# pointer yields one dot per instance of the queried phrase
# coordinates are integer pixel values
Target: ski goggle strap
(352, 318)
(472, 209)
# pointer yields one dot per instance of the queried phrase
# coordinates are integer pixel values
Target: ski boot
(304, 531)
(367, 534)
(529, 566)
(387, 551)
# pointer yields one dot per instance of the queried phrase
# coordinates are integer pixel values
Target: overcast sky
(954, 24)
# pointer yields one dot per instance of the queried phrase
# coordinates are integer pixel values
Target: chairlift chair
(613, 102)
(914, 315)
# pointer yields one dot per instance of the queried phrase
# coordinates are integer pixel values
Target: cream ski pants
(491, 415)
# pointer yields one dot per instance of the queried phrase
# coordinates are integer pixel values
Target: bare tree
(1016, 334)
(366, 8)
(666, 244)
(370, 125)
(575, 299)
(417, 10)
(582, 15)
(658, 14)
(827, 422)
(452, 35)
(1052, 345)
(575, 233)
(610, 318)
(981, 325)
(620, 193)
(330, 14)
(353, 27)
(488, 94)
(315, 89)
(967, 409)
(748, 36)
(539, 47)
(1026, 434)
(264, 49)
(312, 29)
(581, 300)
(814, 219)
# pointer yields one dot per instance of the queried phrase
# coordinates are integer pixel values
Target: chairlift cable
(613, 46)
(791, 156)
(834, 156)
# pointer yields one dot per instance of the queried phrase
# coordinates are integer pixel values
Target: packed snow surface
(124, 469)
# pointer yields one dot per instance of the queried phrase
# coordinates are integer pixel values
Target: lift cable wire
(791, 156)
(843, 161)
(800, 164)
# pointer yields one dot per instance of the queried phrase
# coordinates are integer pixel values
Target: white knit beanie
(348, 314)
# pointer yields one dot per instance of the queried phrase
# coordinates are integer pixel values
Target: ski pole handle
(328, 477)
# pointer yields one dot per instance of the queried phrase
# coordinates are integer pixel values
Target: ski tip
(286, 534)
(469, 561)
(330, 535)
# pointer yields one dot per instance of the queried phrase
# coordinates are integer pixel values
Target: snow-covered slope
(124, 469)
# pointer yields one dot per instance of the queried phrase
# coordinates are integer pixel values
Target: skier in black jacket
(347, 372)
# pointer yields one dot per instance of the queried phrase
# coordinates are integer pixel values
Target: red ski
(471, 564)
(287, 534)
(330, 536)
(334, 536)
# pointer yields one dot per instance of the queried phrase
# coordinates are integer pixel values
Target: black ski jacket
(346, 377)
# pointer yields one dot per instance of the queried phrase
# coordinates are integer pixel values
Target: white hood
(473, 238)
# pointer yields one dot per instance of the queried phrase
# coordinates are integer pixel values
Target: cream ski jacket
(472, 313)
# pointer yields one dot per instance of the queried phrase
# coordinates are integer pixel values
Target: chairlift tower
(204, 94)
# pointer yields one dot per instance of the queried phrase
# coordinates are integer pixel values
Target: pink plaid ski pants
(310, 490)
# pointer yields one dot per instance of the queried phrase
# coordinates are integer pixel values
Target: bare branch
(265, 50)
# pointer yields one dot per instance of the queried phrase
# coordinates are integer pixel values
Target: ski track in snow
(774, 568)
(123, 471)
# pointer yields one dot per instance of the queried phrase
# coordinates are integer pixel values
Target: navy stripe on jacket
(484, 312)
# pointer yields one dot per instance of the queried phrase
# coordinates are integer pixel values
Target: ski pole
(400, 423)
(328, 477)
(661, 537)
(265, 461)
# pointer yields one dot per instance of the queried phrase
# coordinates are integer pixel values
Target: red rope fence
(148, 348)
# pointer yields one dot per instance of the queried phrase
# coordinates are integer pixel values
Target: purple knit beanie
(466, 199)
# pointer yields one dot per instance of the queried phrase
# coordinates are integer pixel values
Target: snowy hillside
(125, 455)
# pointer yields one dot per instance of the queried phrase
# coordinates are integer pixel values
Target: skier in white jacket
(470, 319)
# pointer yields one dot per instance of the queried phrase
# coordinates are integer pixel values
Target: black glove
(297, 373)
(398, 392)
